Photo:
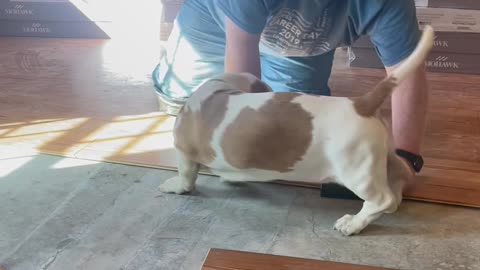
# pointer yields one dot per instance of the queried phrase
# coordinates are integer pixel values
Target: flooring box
(51, 10)
(447, 42)
(450, 20)
(436, 61)
(459, 4)
(54, 29)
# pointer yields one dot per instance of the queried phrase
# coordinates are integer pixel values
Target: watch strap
(415, 160)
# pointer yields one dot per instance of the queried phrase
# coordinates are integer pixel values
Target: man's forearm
(241, 51)
(409, 109)
(243, 60)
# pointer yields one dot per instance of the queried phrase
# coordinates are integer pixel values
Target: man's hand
(241, 51)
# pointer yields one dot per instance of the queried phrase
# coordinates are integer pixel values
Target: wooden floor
(88, 99)
(93, 99)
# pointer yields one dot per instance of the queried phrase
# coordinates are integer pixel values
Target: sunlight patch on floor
(71, 162)
(8, 166)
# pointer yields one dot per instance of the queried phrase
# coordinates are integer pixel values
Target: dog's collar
(415, 160)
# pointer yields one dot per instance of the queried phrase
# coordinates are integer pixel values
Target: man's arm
(241, 52)
(409, 110)
(395, 35)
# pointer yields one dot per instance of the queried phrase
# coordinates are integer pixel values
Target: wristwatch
(415, 160)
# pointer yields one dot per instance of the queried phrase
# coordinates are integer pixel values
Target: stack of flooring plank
(457, 43)
(55, 18)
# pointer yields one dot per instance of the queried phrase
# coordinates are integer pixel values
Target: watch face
(415, 160)
(418, 164)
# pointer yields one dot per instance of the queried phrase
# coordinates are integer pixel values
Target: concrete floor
(58, 213)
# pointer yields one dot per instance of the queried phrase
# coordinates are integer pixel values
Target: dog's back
(206, 109)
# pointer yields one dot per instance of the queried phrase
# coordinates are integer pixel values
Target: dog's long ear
(368, 104)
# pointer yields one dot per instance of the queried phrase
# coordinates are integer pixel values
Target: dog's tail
(368, 104)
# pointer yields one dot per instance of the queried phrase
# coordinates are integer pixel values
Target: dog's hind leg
(187, 175)
(373, 188)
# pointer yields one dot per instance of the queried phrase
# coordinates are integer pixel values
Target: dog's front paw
(349, 225)
(175, 185)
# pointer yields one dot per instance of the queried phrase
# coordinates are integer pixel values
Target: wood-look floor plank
(219, 259)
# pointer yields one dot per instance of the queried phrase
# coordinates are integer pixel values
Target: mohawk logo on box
(435, 62)
(55, 29)
(444, 42)
(442, 62)
(36, 28)
(46, 10)
(18, 10)
(440, 43)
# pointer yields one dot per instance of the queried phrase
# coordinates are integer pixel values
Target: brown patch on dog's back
(368, 104)
(274, 137)
(205, 110)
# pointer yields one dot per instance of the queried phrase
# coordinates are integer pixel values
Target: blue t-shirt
(298, 39)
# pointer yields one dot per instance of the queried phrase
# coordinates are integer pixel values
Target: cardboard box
(436, 61)
(450, 42)
(450, 20)
(460, 4)
(59, 10)
(54, 29)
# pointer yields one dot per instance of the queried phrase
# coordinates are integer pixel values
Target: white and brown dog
(242, 131)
